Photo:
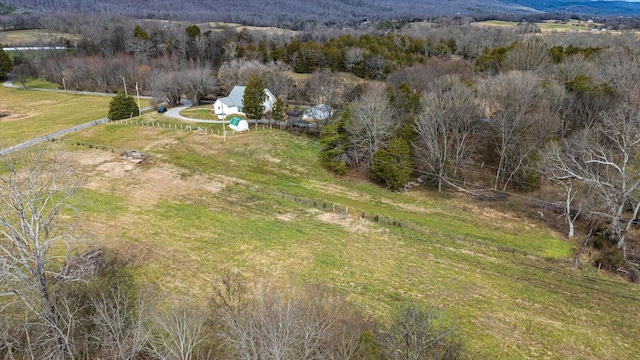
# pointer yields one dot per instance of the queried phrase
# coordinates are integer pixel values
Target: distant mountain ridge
(601, 7)
(270, 12)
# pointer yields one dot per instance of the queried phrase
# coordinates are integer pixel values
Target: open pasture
(546, 26)
(260, 203)
(30, 113)
(32, 37)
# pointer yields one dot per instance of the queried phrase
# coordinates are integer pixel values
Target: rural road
(174, 112)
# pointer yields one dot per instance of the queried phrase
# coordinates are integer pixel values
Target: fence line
(182, 127)
(344, 211)
(52, 136)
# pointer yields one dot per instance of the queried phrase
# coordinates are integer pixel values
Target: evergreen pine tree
(254, 97)
(335, 143)
(279, 110)
(392, 166)
(139, 33)
(193, 31)
(122, 107)
(5, 64)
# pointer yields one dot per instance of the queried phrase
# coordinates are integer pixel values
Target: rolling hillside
(293, 13)
(260, 203)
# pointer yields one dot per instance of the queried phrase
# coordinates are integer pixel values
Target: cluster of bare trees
(561, 113)
(239, 71)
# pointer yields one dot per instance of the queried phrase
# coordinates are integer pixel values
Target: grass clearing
(203, 112)
(32, 37)
(201, 205)
(28, 114)
(41, 84)
(36, 113)
(547, 25)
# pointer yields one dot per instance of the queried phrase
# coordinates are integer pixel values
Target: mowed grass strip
(505, 281)
(32, 37)
(37, 113)
(546, 26)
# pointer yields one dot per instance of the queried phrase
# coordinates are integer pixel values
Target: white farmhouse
(232, 104)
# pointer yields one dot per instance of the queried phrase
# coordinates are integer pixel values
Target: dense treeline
(286, 13)
(533, 112)
(300, 15)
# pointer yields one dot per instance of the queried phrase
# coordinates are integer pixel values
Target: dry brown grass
(31, 37)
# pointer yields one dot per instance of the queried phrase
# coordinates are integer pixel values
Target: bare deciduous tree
(35, 189)
(510, 99)
(324, 87)
(352, 57)
(141, 48)
(278, 82)
(620, 70)
(198, 83)
(376, 66)
(445, 127)
(272, 323)
(552, 168)
(168, 86)
(177, 331)
(119, 323)
(604, 159)
(417, 333)
(238, 72)
(371, 126)
(528, 55)
(573, 66)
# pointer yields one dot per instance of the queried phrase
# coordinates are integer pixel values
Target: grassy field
(33, 37)
(27, 114)
(41, 84)
(261, 203)
(33, 113)
(546, 26)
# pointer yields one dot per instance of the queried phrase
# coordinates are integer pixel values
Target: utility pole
(125, 86)
(138, 94)
(224, 128)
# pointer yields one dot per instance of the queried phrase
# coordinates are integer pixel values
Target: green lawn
(261, 203)
(41, 84)
(202, 112)
(32, 113)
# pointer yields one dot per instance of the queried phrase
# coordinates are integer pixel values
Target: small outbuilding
(237, 123)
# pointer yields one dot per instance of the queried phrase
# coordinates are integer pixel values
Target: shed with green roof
(238, 124)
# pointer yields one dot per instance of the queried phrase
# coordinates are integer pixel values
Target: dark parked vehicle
(162, 109)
